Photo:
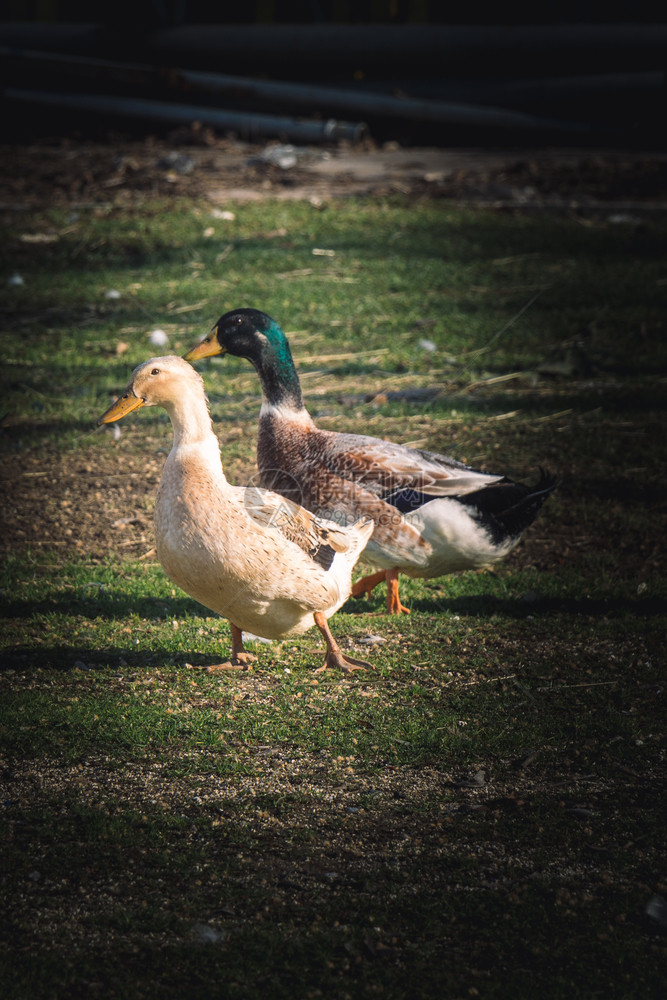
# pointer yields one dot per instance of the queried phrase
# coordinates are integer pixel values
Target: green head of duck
(251, 334)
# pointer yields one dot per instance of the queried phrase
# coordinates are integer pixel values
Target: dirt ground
(196, 163)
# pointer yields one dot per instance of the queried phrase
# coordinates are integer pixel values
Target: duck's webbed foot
(240, 659)
(339, 661)
(335, 657)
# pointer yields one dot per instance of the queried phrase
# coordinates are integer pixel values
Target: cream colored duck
(263, 562)
(433, 515)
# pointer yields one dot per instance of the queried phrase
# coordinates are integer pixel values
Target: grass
(478, 815)
(457, 278)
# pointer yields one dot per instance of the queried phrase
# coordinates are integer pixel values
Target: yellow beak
(208, 348)
(124, 405)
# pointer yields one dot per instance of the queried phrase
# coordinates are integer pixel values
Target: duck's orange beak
(123, 405)
(207, 348)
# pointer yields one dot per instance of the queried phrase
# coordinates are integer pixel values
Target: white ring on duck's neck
(283, 411)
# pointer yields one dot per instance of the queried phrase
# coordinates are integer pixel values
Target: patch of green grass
(400, 273)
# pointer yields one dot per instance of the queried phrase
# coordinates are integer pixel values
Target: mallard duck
(433, 515)
(264, 563)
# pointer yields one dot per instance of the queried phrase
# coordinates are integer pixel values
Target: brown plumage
(432, 514)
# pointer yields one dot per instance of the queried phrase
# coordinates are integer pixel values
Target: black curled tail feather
(506, 509)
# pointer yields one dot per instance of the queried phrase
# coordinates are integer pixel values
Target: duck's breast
(210, 546)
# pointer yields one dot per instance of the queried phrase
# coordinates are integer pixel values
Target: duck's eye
(238, 320)
(156, 371)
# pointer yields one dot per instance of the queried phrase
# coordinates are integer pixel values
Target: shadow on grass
(24, 656)
(548, 395)
(154, 610)
(483, 606)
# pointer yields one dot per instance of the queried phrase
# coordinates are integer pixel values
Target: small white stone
(15, 281)
(205, 934)
(158, 337)
(372, 640)
(112, 293)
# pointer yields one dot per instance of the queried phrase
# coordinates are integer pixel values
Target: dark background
(593, 73)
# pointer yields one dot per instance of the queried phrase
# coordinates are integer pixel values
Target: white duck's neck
(192, 426)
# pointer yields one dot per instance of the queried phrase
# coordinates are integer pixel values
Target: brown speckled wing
(307, 467)
(317, 540)
(343, 501)
(296, 462)
(382, 466)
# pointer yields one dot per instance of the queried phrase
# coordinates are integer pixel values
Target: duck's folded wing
(319, 539)
(382, 467)
(398, 540)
